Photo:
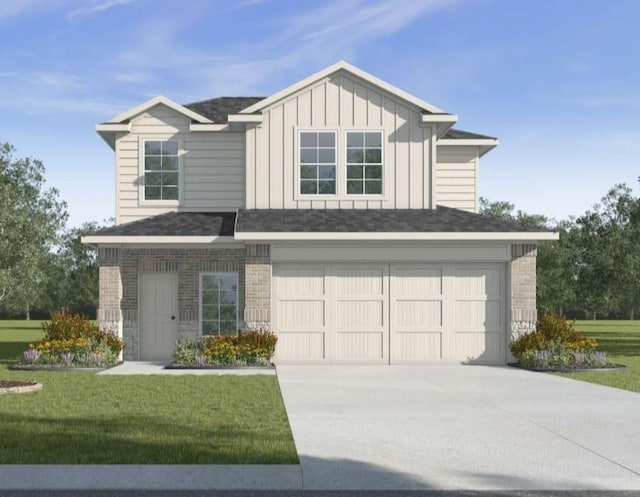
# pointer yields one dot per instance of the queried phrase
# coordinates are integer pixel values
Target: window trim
(237, 283)
(364, 195)
(298, 165)
(142, 201)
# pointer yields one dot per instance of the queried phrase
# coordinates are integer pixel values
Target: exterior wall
(340, 103)
(257, 308)
(523, 289)
(119, 269)
(212, 169)
(110, 290)
(457, 177)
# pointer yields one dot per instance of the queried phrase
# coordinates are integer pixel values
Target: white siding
(340, 103)
(456, 177)
(212, 174)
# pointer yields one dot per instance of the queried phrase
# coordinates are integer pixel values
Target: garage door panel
(361, 346)
(417, 346)
(301, 281)
(478, 281)
(483, 348)
(418, 315)
(360, 315)
(417, 282)
(301, 315)
(301, 346)
(478, 315)
(360, 281)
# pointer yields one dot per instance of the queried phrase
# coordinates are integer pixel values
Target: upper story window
(364, 162)
(161, 169)
(317, 159)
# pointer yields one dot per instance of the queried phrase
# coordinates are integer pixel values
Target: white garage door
(389, 313)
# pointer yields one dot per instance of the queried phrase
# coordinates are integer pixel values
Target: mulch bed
(215, 366)
(604, 369)
(11, 384)
(56, 367)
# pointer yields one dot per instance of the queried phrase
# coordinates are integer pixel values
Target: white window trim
(216, 273)
(142, 201)
(315, 196)
(365, 196)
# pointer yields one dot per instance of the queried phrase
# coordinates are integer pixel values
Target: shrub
(72, 339)
(556, 343)
(253, 348)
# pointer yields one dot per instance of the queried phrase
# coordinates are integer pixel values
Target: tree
(505, 212)
(610, 271)
(31, 217)
(80, 266)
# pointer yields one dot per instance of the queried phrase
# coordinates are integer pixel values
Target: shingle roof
(439, 220)
(177, 224)
(458, 134)
(218, 109)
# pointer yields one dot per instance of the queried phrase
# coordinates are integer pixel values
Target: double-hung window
(219, 303)
(317, 162)
(364, 162)
(161, 169)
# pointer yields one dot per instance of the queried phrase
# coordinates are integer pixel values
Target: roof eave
(484, 144)
(160, 99)
(147, 239)
(519, 237)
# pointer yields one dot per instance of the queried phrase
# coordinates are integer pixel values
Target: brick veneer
(120, 267)
(523, 289)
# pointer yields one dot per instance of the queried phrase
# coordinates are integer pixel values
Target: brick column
(257, 303)
(523, 289)
(110, 291)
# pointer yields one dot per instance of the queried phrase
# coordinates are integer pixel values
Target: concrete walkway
(151, 367)
(459, 427)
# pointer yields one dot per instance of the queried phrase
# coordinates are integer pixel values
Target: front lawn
(83, 418)
(621, 340)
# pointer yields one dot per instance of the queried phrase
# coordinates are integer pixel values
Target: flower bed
(72, 341)
(556, 345)
(244, 349)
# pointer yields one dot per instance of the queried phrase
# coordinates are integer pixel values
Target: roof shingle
(218, 109)
(439, 220)
(176, 224)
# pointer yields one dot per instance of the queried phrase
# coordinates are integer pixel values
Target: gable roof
(426, 107)
(160, 99)
(218, 109)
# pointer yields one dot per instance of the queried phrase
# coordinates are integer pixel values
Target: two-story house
(341, 212)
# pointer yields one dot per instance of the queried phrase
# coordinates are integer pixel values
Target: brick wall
(119, 270)
(257, 310)
(523, 289)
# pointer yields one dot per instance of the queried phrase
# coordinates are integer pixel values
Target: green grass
(82, 418)
(621, 340)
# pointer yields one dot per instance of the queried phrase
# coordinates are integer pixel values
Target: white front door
(158, 315)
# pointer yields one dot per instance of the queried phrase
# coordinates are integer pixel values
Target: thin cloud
(96, 7)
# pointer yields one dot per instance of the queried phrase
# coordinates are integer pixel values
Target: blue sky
(558, 81)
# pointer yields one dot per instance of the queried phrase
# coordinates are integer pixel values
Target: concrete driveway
(459, 427)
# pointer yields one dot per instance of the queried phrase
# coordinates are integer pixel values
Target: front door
(158, 315)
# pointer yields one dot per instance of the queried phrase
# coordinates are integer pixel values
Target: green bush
(73, 339)
(252, 348)
(555, 343)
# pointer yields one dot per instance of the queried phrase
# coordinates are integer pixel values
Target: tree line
(593, 270)
(43, 265)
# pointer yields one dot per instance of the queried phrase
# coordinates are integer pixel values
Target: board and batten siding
(212, 166)
(457, 177)
(342, 102)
